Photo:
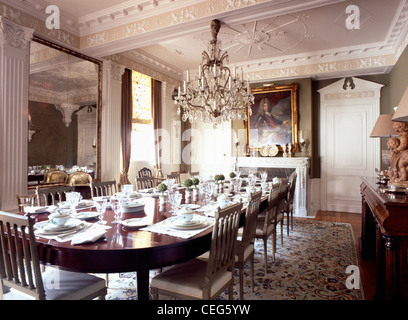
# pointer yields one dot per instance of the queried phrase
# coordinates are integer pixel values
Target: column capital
(14, 35)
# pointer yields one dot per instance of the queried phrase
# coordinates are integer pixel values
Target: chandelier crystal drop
(216, 95)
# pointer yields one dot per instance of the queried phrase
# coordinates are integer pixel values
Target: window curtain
(126, 125)
(156, 120)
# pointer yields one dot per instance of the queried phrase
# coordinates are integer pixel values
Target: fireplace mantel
(300, 164)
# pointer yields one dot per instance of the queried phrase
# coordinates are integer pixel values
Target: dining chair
(103, 188)
(194, 174)
(56, 176)
(280, 212)
(20, 272)
(200, 279)
(266, 225)
(144, 172)
(79, 178)
(145, 183)
(23, 201)
(175, 176)
(245, 249)
(51, 196)
(288, 206)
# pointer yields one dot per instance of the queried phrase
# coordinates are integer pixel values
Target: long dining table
(126, 249)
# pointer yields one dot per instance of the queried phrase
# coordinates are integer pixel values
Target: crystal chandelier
(216, 95)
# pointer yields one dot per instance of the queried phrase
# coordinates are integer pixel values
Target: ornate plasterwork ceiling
(268, 39)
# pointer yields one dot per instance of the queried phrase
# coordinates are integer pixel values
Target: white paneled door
(347, 152)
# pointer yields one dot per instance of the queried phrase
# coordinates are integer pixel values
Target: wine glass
(127, 189)
(73, 199)
(101, 208)
(117, 208)
(175, 200)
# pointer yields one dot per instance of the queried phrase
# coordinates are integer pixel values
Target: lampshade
(383, 127)
(402, 111)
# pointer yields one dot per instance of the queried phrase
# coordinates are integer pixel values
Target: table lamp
(383, 127)
(402, 111)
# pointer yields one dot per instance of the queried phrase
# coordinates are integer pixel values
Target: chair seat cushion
(66, 285)
(188, 279)
(259, 229)
(63, 285)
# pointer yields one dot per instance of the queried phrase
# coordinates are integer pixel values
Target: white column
(111, 121)
(14, 73)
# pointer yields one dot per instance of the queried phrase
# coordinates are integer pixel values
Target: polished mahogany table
(125, 249)
(384, 238)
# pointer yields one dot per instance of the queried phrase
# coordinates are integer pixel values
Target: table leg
(143, 284)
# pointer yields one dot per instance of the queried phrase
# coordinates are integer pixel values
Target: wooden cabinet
(384, 237)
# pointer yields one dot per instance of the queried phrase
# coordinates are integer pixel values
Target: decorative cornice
(14, 35)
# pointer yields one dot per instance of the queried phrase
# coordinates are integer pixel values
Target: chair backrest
(224, 236)
(51, 196)
(175, 176)
(291, 189)
(145, 172)
(19, 262)
(23, 201)
(251, 217)
(103, 188)
(283, 191)
(273, 203)
(144, 183)
(56, 176)
(194, 174)
(79, 178)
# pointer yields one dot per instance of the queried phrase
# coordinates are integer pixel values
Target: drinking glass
(127, 189)
(26, 201)
(73, 199)
(264, 175)
(117, 208)
(175, 201)
(101, 208)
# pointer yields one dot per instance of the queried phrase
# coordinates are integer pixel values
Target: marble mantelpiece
(300, 164)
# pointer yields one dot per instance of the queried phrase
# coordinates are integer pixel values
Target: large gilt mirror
(64, 110)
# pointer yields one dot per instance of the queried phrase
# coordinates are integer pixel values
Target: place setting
(185, 224)
(62, 226)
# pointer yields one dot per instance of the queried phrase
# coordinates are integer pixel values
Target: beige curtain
(126, 125)
(156, 119)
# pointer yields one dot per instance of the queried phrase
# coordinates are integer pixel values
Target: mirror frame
(99, 102)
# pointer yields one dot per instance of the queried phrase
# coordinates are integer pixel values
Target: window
(142, 126)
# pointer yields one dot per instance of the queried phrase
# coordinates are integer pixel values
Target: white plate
(135, 222)
(273, 150)
(264, 151)
(84, 204)
(196, 223)
(85, 215)
(49, 228)
(191, 206)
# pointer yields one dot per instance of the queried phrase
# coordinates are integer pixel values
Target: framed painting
(274, 118)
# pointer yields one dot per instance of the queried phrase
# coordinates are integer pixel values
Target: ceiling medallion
(216, 95)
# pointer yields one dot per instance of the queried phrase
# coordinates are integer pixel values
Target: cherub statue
(399, 153)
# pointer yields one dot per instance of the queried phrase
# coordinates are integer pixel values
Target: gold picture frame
(274, 119)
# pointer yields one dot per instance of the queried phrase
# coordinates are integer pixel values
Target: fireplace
(282, 168)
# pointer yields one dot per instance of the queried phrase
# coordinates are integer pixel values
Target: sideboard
(300, 164)
(384, 238)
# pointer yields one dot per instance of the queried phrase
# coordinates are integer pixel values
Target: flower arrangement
(161, 188)
(195, 182)
(219, 178)
(188, 183)
(232, 175)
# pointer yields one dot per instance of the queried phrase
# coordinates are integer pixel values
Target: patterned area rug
(310, 265)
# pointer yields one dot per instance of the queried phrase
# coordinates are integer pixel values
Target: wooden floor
(367, 268)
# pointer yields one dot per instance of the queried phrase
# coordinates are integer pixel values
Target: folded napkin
(162, 228)
(94, 233)
(39, 209)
